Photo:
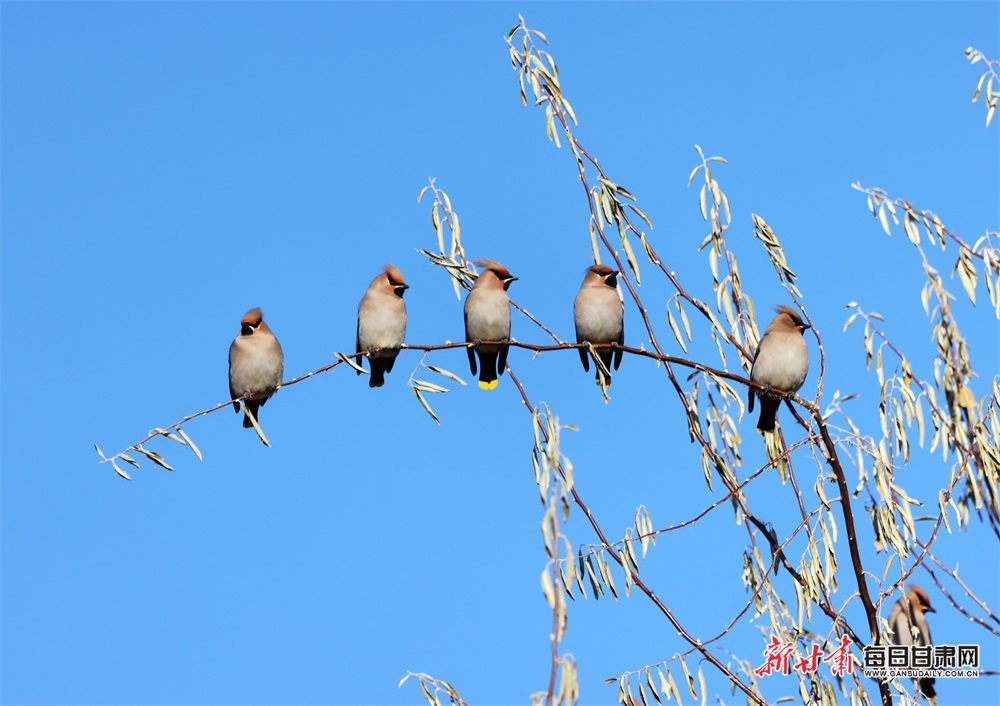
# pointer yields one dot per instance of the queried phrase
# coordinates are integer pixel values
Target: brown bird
(487, 318)
(598, 314)
(908, 626)
(256, 364)
(382, 323)
(782, 362)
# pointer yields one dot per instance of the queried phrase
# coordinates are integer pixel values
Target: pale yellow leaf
(197, 451)
(883, 219)
(547, 589)
(153, 456)
(425, 386)
(344, 359)
(426, 406)
(256, 426)
(128, 459)
(446, 373)
(124, 474)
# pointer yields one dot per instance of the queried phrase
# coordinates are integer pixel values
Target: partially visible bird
(256, 364)
(382, 323)
(598, 312)
(908, 626)
(487, 318)
(782, 362)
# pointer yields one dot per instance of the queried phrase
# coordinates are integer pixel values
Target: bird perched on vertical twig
(598, 313)
(908, 626)
(487, 318)
(256, 365)
(782, 362)
(382, 323)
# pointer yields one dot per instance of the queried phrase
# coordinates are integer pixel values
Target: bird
(781, 362)
(256, 364)
(908, 626)
(598, 312)
(382, 323)
(487, 318)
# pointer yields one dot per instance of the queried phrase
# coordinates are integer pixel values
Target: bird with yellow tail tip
(487, 318)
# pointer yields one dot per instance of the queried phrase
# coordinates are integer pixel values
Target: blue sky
(167, 166)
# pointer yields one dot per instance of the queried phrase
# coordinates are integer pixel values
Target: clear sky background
(166, 166)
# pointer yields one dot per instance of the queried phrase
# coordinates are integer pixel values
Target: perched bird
(487, 318)
(598, 312)
(382, 323)
(908, 626)
(782, 362)
(256, 364)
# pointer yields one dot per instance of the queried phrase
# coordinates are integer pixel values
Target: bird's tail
(768, 412)
(377, 378)
(488, 370)
(606, 360)
(927, 688)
